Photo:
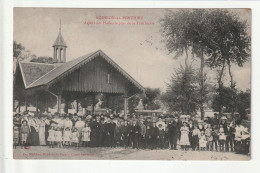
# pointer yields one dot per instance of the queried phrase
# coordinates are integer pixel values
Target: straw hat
(223, 118)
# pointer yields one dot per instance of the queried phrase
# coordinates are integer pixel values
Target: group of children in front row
(69, 136)
(201, 138)
(57, 135)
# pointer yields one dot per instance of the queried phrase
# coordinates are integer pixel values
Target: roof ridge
(38, 63)
(63, 65)
(22, 72)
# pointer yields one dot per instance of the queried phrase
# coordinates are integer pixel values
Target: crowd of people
(139, 132)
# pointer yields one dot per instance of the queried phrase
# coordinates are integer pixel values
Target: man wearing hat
(154, 135)
(94, 135)
(142, 133)
(125, 133)
(227, 132)
(102, 132)
(17, 120)
(135, 134)
(109, 138)
(113, 129)
(173, 134)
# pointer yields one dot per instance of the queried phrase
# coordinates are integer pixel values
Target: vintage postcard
(131, 84)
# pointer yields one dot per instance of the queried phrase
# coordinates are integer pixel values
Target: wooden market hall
(85, 76)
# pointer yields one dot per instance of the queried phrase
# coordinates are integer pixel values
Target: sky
(138, 49)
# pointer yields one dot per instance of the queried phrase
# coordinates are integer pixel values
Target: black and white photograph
(132, 84)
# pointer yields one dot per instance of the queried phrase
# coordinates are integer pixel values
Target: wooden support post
(93, 103)
(125, 106)
(25, 102)
(46, 103)
(77, 106)
(66, 108)
(107, 100)
(19, 107)
(37, 105)
(59, 103)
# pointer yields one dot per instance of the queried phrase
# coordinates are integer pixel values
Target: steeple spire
(59, 48)
(60, 26)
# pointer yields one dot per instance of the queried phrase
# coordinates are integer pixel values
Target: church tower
(59, 49)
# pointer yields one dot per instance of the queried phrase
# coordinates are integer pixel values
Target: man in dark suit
(94, 135)
(173, 134)
(125, 133)
(154, 136)
(102, 133)
(135, 130)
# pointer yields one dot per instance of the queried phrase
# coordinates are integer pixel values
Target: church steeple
(59, 48)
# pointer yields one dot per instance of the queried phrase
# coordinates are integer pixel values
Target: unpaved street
(44, 152)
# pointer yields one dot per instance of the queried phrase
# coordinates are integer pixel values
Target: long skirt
(42, 135)
(184, 139)
(33, 138)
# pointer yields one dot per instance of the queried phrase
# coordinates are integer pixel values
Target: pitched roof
(66, 68)
(33, 71)
(59, 41)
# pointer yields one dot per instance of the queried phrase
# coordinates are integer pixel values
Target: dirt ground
(44, 152)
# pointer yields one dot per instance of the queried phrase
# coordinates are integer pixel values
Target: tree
(230, 44)
(132, 103)
(182, 92)
(18, 48)
(149, 99)
(43, 59)
(217, 37)
(188, 30)
(243, 102)
(223, 98)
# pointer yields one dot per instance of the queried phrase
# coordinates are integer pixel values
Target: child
(202, 141)
(222, 138)
(209, 138)
(184, 141)
(66, 137)
(24, 132)
(195, 137)
(15, 136)
(161, 136)
(215, 138)
(58, 137)
(86, 135)
(51, 137)
(75, 137)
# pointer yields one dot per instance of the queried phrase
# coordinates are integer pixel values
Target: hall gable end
(96, 76)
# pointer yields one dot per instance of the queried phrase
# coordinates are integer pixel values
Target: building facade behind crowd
(163, 132)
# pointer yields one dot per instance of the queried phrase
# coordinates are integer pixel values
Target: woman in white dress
(86, 135)
(184, 141)
(58, 137)
(42, 131)
(79, 125)
(75, 137)
(66, 137)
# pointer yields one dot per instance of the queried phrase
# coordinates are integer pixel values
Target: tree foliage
(17, 50)
(43, 59)
(150, 97)
(232, 100)
(182, 92)
(217, 37)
